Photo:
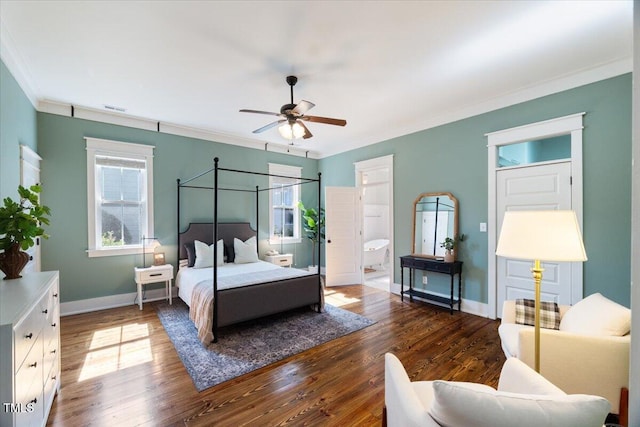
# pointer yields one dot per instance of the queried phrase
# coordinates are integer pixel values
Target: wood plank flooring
(120, 368)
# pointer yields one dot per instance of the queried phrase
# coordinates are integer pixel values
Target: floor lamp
(540, 236)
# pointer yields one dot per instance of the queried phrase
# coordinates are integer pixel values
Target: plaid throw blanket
(549, 313)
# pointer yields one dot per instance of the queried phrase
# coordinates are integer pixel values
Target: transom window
(120, 202)
(284, 215)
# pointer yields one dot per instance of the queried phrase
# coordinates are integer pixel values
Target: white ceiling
(388, 67)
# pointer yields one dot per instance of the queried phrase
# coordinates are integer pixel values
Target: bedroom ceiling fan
(292, 117)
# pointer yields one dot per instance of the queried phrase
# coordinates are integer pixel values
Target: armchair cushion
(549, 313)
(597, 315)
(457, 404)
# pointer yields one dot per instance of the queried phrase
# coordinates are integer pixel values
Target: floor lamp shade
(540, 236)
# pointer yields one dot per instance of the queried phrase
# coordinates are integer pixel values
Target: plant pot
(12, 261)
(449, 256)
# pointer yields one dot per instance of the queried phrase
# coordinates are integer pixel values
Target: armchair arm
(580, 364)
(517, 377)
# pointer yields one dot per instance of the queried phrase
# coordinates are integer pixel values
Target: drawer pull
(53, 351)
(45, 311)
(155, 274)
(29, 335)
(53, 325)
(55, 295)
(33, 365)
(53, 378)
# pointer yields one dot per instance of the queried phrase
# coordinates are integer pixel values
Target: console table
(425, 264)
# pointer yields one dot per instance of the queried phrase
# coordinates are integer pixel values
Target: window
(284, 215)
(119, 195)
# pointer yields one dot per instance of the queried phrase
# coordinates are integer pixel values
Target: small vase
(12, 261)
(449, 256)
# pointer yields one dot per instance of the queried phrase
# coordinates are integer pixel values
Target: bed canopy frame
(216, 170)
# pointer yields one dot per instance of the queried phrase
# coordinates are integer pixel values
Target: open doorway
(374, 179)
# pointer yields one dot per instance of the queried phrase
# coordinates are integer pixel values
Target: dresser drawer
(30, 409)
(27, 331)
(29, 372)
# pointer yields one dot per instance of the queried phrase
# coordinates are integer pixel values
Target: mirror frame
(455, 223)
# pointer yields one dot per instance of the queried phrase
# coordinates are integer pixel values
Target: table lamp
(540, 236)
(154, 244)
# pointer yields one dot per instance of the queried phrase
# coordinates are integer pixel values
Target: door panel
(343, 239)
(545, 187)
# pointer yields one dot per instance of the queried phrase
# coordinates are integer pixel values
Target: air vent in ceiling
(113, 108)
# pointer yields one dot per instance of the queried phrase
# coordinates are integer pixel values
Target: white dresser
(29, 348)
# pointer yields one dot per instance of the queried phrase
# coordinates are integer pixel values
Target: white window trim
(95, 147)
(293, 172)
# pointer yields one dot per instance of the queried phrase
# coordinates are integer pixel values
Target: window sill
(288, 241)
(96, 253)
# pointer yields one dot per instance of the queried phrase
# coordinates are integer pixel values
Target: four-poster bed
(230, 292)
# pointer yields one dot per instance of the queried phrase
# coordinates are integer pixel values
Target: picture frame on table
(158, 258)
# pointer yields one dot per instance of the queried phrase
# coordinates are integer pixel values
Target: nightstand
(283, 260)
(154, 274)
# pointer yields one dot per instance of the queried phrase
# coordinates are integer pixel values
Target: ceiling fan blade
(261, 112)
(302, 107)
(325, 120)
(269, 126)
(307, 133)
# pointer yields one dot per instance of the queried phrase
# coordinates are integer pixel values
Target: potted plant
(449, 246)
(20, 225)
(313, 226)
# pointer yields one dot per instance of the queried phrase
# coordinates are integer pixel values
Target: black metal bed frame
(216, 189)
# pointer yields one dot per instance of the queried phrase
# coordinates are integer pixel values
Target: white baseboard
(111, 301)
(468, 306)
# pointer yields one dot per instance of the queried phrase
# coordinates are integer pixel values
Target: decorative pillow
(191, 253)
(549, 313)
(246, 251)
(204, 254)
(457, 404)
(597, 315)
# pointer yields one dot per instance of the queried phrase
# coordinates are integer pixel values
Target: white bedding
(188, 278)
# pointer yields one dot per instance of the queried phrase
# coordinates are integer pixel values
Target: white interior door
(545, 187)
(30, 175)
(342, 236)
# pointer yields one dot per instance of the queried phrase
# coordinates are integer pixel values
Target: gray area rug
(251, 345)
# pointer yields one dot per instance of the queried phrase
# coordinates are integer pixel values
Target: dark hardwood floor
(119, 368)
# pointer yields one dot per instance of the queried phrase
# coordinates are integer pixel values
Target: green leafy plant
(450, 244)
(21, 222)
(313, 226)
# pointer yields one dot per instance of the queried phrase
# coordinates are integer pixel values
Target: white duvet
(188, 278)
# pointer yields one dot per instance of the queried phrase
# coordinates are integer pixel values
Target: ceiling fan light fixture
(291, 131)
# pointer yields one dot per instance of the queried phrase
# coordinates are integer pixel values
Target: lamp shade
(541, 235)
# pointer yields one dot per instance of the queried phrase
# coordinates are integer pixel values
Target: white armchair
(523, 399)
(596, 364)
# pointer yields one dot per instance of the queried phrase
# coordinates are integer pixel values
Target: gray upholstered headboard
(203, 231)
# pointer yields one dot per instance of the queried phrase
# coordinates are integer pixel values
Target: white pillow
(458, 404)
(597, 315)
(204, 254)
(246, 251)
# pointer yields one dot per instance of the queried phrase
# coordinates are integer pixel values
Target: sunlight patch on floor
(117, 348)
(338, 299)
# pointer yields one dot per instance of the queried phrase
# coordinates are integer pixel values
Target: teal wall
(453, 158)
(61, 143)
(18, 126)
